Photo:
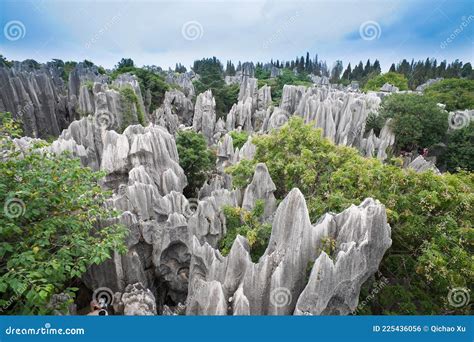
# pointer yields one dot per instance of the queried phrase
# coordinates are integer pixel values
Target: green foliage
(398, 80)
(454, 93)
(125, 63)
(89, 85)
(52, 226)
(212, 77)
(239, 138)
(196, 159)
(5, 62)
(245, 223)
(129, 104)
(374, 121)
(417, 121)
(430, 215)
(148, 80)
(460, 149)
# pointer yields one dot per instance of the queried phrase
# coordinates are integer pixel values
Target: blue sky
(165, 32)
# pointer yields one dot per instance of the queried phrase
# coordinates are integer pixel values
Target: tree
(430, 215)
(393, 78)
(196, 160)
(125, 63)
(53, 226)
(347, 73)
(417, 121)
(460, 149)
(454, 93)
(211, 75)
(336, 72)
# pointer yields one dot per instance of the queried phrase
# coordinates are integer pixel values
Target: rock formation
(295, 274)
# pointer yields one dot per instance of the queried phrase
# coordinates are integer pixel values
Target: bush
(454, 93)
(148, 80)
(195, 158)
(288, 77)
(431, 215)
(460, 149)
(239, 138)
(417, 121)
(393, 78)
(247, 224)
(50, 226)
(129, 103)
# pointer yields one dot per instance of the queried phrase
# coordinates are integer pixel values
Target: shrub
(417, 121)
(393, 78)
(247, 224)
(239, 138)
(196, 159)
(460, 149)
(52, 225)
(454, 93)
(430, 215)
(129, 103)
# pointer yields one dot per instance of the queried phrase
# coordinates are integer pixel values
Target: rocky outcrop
(36, 98)
(176, 109)
(136, 301)
(425, 85)
(183, 80)
(420, 164)
(204, 119)
(260, 189)
(280, 284)
(389, 88)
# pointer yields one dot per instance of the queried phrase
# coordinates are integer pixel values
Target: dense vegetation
(149, 81)
(239, 138)
(454, 93)
(431, 216)
(248, 224)
(196, 159)
(52, 225)
(417, 121)
(398, 80)
(211, 77)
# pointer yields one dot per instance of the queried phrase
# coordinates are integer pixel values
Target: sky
(164, 33)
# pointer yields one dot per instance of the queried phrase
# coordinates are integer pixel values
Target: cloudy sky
(165, 32)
